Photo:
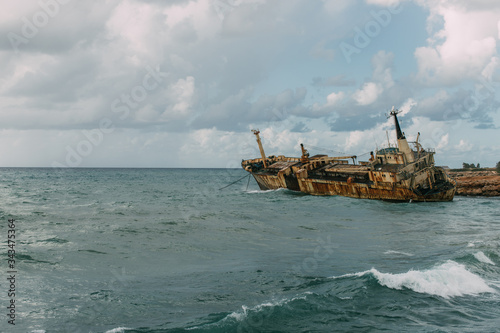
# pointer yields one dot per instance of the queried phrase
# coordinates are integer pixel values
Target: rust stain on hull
(353, 190)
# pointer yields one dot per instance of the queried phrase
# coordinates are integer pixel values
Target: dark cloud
(237, 112)
(56, 28)
(474, 106)
(300, 127)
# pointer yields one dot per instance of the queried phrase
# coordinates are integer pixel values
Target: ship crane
(262, 154)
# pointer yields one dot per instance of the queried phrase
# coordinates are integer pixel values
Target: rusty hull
(394, 173)
(330, 176)
(277, 175)
(387, 192)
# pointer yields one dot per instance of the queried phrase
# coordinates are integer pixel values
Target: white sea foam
(483, 258)
(399, 253)
(265, 191)
(241, 315)
(447, 280)
(118, 330)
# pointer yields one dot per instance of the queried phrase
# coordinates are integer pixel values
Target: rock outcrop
(477, 183)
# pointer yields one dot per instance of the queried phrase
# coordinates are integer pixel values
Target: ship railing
(416, 146)
(272, 159)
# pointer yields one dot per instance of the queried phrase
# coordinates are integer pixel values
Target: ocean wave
(266, 191)
(446, 280)
(483, 258)
(252, 315)
(118, 330)
(399, 253)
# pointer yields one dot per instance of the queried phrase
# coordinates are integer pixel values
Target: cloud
(182, 93)
(463, 47)
(368, 93)
(475, 106)
(333, 81)
(382, 63)
(225, 66)
(464, 146)
(384, 3)
(334, 98)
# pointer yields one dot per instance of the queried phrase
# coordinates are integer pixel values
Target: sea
(204, 250)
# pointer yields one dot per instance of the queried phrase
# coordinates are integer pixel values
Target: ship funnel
(402, 143)
(262, 154)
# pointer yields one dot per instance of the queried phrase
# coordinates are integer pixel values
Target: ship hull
(353, 190)
(273, 182)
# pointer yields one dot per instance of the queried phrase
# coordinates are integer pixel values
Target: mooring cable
(248, 183)
(236, 182)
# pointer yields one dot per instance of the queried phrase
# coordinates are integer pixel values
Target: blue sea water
(164, 250)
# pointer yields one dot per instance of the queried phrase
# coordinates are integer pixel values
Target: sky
(181, 83)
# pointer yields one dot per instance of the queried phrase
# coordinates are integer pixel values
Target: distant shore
(477, 183)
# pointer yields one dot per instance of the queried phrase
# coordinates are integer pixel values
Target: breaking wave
(250, 318)
(446, 280)
(483, 258)
(246, 311)
(118, 330)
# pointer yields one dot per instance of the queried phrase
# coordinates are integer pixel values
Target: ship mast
(402, 143)
(262, 154)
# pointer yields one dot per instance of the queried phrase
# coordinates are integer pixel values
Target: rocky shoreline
(477, 183)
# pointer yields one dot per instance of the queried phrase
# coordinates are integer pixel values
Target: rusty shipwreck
(399, 173)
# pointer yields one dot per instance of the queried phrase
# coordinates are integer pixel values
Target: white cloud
(368, 93)
(407, 106)
(443, 143)
(490, 69)
(464, 146)
(382, 63)
(133, 22)
(385, 3)
(334, 98)
(336, 7)
(464, 46)
(354, 139)
(182, 94)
